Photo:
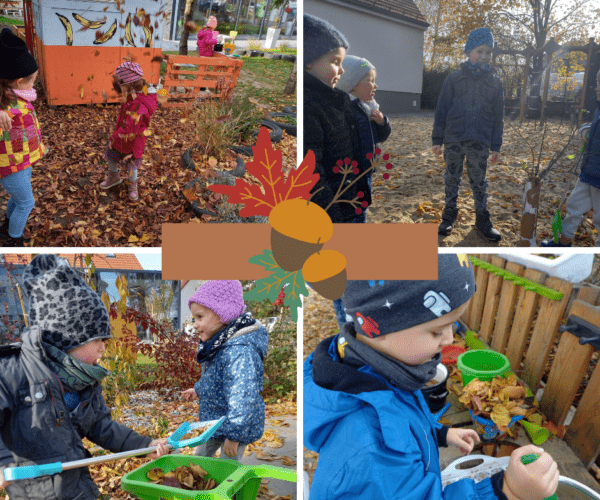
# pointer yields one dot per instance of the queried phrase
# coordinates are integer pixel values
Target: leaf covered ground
(71, 209)
(414, 193)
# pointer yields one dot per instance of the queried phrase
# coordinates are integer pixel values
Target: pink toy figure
(207, 37)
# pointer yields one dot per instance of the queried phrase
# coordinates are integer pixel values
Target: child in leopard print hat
(232, 348)
(50, 386)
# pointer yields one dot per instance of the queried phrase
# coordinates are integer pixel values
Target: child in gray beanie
(358, 80)
(330, 129)
(365, 414)
(469, 122)
(50, 386)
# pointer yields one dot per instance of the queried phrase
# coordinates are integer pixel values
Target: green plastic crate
(236, 480)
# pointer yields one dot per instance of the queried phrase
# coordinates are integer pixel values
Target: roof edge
(386, 14)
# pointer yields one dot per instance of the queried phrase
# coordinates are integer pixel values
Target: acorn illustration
(299, 228)
(326, 273)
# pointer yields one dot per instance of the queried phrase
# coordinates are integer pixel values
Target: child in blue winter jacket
(232, 349)
(51, 387)
(365, 414)
(469, 122)
(586, 193)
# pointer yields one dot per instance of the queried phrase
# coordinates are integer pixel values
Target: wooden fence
(516, 320)
(217, 74)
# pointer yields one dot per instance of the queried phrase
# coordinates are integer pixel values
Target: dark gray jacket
(35, 426)
(470, 109)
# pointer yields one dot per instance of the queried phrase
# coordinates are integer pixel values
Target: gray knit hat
(355, 69)
(380, 307)
(320, 37)
(61, 303)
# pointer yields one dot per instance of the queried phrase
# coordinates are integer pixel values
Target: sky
(150, 261)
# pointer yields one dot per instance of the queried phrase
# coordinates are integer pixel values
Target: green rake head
(556, 226)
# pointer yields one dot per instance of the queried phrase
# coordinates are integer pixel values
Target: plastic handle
(30, 471)
(527, 459)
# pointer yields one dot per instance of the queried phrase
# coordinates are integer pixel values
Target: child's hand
(495, 157)
(377, 117)
(3, 483)
(535, 481)
(189, 394)
(5, 121)
(161, 450)
(230, 448)
(437, 150)
(464, 439)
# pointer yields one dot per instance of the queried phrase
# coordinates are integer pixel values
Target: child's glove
(495, 157)
(437, 150)
(464, 439)
(3, 483)
(189, 394)
(161, 450)
(535, 481)
(5, 121)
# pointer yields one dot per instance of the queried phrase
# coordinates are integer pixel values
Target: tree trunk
(190, 7)
(290, 86)
(531, 203)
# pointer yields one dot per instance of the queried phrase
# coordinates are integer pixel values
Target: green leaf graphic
(293, 291)
(265, 288)
(265, 260)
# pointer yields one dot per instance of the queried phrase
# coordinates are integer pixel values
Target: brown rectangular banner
(372, 251)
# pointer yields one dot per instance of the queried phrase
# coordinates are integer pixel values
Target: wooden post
(546, 84)
(588, 65)
(531, 203)
(492, 298)
(506, 309)
(525, 82)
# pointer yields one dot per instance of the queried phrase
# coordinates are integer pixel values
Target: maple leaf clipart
(266, 167)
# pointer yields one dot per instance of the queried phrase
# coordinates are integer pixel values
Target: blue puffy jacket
(374, 440)
(470, 109)
(231, 386)
(590, 167)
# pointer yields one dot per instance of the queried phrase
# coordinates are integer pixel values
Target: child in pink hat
(128, 140)
(232, 348)
(207, 37)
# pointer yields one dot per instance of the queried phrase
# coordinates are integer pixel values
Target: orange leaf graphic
(267, 168)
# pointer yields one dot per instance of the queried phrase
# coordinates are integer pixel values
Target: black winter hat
(380, 307)
(320, 37)
(62, 304)
(15, 59)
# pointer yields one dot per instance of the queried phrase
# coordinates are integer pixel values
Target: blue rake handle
(173, 442)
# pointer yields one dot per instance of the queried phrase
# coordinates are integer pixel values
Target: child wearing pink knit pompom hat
(128, 141)
(232, 348)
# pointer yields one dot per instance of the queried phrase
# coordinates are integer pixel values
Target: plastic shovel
(173, 442)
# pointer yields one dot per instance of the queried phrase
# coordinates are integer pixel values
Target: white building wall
(395, 49)
(186, 293)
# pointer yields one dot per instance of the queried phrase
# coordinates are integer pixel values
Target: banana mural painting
(140, 18)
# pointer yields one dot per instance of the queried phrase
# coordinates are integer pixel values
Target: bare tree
(290, 86)
(190, 7)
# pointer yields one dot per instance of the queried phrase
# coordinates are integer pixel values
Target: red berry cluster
(346, 167)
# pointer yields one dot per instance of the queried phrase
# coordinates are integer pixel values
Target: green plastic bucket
(235, 480)
(483, 364)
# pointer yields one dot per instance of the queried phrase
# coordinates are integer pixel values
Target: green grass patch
(11, 20)
(144, 362)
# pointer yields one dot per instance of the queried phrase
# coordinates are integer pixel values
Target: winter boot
(14, 242)
(448, 217)
(484, 224)
(133, 191)
(552, 243)
(4, 229)
(112, 179)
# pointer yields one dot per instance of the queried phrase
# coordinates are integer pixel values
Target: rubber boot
(4, 229)
(133, 191)
(112, 179)
(13, 242)
(448, 218)
(484, 224)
